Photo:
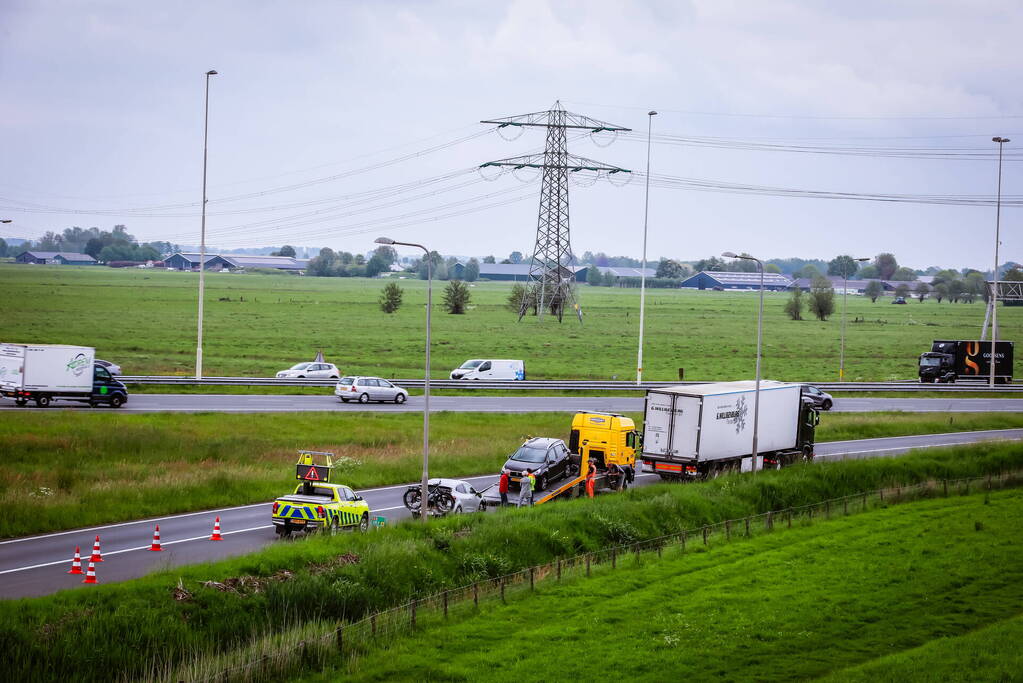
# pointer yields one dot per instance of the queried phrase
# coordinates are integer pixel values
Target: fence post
(788, 517)
(373, 625)
(587, 564)
(944, 487)
(747, 526)
(864, 504)
(614, 558)
(705, 534)
(531, 585)
(770, 520)
(827, 509)
(659, 551)
(340, 638)
(412, 614)
(988, 481)
(967, 487)
(559, 569)
(476, 594)
(845, 506)
(502, 589)
(728, 530)
(683, 539)
(880, 494)
(898, 492)
(445, 604)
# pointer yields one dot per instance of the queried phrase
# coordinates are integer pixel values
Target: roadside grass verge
(170, 618)
(991, 653)
(792, 605)
(68, 469)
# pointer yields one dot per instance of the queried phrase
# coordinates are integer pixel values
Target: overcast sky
(332, 123)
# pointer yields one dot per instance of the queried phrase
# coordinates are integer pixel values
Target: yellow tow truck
(316, 504)
(607, 440)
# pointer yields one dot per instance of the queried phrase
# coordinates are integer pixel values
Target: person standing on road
(502, 486)
(591, 479)
(526, 485)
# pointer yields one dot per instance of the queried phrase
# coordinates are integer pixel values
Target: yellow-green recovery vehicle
(316, 504)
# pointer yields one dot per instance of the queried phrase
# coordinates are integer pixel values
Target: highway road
(256, 403)
(37, 565)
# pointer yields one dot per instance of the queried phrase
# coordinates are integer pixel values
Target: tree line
(107, 246)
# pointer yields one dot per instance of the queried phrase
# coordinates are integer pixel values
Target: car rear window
(347, 381)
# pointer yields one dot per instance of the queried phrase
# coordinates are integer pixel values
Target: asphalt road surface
(256, 403)
(37, 565)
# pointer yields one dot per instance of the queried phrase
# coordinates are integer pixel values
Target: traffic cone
(90, 574)
(76, 564)
(155, 546)
(96, 556)
(216, 531)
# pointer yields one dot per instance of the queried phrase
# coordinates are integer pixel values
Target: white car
(366, 389)
(310, 371)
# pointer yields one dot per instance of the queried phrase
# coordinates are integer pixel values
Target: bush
(794, 306)
(518, 295)
(390, 297)
(456, 297)
(822, 298)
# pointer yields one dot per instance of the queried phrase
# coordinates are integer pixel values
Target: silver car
(467, 499)
(821, 399)
(366, 389)
(112, 368)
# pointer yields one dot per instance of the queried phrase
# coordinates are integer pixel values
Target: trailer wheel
(43, 401)
(116, 401)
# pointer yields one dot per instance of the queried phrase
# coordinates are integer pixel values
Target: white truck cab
(492, 370)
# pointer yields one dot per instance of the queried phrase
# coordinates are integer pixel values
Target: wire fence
(342, 643)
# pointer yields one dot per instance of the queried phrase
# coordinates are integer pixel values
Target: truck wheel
(116, 401)
(43, 401)
(364, 523)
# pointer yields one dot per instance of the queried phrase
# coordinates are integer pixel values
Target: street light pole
(202, 237)
(994, 290)
(845, 298)
(760, 335)
(425, 491)
(642, 273)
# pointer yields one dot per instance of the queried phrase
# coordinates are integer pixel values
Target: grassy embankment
(889, 595)
(63, 470)
(167, 618)
(257, 324)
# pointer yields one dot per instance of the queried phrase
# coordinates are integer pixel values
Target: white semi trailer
(703, 430)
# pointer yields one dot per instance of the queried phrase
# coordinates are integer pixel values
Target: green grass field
(886, 595)
(257, 324)
(63, 470)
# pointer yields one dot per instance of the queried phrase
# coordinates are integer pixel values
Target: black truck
(949, 360)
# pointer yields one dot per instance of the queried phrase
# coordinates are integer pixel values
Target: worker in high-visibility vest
(591, 479)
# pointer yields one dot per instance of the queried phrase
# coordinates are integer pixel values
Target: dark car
(899, 300)
(548, 458)
(820, 399)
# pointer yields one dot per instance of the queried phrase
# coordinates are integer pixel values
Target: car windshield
(300, 366)
(469, 364)
(530, 454)
(347, 381)
(930, 361)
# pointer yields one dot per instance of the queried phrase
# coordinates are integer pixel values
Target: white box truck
(46, 372)
(703, 430)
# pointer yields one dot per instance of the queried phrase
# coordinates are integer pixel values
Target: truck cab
(936, 367)
(604, 438)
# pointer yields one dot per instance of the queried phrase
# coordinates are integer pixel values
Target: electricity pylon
(550, 269)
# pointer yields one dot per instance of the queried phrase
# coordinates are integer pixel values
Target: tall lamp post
(845, 298)
(642, 273)
(994, 290)
(423, 503)
(760, 335)
(202, 234)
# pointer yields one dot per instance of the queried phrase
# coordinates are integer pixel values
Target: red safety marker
(155, 547)
(216, 531)
(90, 574)
(96, 556)
(76, 564)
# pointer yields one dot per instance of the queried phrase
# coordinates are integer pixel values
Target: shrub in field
(794, 306)
(822, 298)
(456, 297)
(874, 289)
(390, 298)
(516, 297)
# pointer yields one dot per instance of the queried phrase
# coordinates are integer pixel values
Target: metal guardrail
(555, 385)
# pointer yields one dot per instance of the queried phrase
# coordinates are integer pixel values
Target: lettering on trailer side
(736, 415)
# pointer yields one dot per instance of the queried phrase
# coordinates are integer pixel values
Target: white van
(494, 370)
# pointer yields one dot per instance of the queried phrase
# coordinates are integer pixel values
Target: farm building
(852, 287)
(63, 258)
(622, 271)
(518, 272)
(190, 261)
(723, 280)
